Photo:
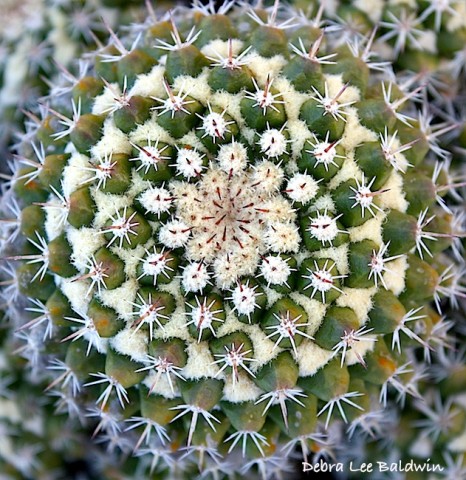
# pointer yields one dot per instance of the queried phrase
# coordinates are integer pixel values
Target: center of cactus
(232, 212)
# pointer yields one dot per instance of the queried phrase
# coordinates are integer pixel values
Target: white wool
(263, 67)
(395, 197)
(107, 206)
(339, 255)
(105, 102)
(132, 343)
(395, 279)
(299, 134)
(200, 361)
(360, 348)
(427, 40)
(193, 140)
(371, 230)
(162, 387)
(455, 22)
(231, 103)
(53, 224)
(74, 175)
(76, 292)
(217, 48)
(244, 390)
(311, 358)
(150, 130)
(264, 350)
(359, 300)
(120, 298)
(64, 47)
(324, 202)
(84, 243)
(458, 444)
(231, 324)
(348, 171)
(293, 99)
(113, 141)
(314, 309)
(10, 411)
(372, 8)
(131, 256)
(150, 84)
(272, 296)
(196, 87)
(176, 327)
(355, 134)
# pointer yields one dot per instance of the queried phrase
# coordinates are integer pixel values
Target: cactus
(38, 40)
(230, 230)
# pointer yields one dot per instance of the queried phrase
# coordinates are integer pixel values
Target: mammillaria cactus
(230, 231)
(40, 38)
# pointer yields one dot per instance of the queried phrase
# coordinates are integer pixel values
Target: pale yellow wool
(245, 390)
(264, 350)
(150, 130)
(176, 326)
(132, 256)
(395, 197)
(314, 309)
(456, 22)
(372, 8)
(10, 411)
(64, 47)
(335, 84)
(410, 3)
(302, 255)
(75, 292)
(355, 134)
(194, 141)
(120, 299)
(272, 296)
(217, 49)
(338, 254)
(84, 243)
(395, 278)
(262, 68)
(150, 84)
(231, 103)
(197, 87)
(53, 226)
(458, 444)
(427, 41)
(131, 343)
(293, 99)
(370, 230)
(200, 361)
(106, 101)
(359, 300)
(113, 141)
(325, 202)
(74, 175)
(300, 134)
(348, 171)
(360, 348)
(107, 205)
(231, 324)
(161, 386)
(311, 358)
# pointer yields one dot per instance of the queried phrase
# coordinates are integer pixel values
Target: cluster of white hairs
(224, 276)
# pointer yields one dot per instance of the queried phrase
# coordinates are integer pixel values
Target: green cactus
(229, 224)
